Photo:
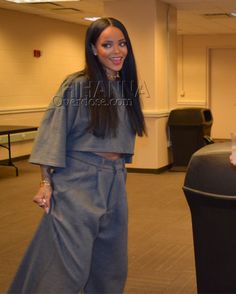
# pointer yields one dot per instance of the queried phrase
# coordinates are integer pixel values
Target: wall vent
(217, 15)
(42, 5)
(66, 10)
(53, 6)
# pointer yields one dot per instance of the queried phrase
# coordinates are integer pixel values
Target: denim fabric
(64, 128)
(82, 243)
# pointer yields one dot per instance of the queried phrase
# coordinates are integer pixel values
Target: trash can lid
(190, 116)
(210, 171)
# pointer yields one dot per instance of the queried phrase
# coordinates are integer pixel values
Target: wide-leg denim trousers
(81, 245)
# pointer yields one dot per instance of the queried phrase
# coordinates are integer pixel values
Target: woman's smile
(116, 60)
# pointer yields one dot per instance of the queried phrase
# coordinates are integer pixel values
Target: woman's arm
(42, 198)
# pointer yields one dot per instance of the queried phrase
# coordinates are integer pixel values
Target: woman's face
(111, 49)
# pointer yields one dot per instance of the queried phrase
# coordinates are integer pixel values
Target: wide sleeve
(50, 144)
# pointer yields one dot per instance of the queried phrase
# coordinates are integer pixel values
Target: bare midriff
(110, 155)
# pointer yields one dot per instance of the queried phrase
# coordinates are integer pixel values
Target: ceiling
(205, 16)
(194, 16)
(72, 11)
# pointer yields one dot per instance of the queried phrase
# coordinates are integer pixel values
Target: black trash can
(210, 190)
(189, 130)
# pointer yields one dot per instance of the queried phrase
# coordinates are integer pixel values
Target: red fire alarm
(37, 53)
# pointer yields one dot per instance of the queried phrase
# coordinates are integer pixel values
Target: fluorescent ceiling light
(39, 1)
(232, 14)
(92, 18)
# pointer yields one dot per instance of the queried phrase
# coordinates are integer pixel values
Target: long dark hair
(103, 115)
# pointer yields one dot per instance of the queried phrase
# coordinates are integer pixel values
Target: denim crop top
(63, 129)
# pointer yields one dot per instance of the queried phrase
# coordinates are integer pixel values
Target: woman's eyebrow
(111, 41)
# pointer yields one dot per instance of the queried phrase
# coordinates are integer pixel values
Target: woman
(84, 140)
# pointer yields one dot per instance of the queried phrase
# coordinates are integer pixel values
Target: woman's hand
(42, 198)
(232, 159)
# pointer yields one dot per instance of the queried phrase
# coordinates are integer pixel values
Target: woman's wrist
(45, 182)
(45, 176)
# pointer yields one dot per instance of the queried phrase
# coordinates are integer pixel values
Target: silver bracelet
(45, 183)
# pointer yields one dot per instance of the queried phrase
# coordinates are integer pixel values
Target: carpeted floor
(161, 258)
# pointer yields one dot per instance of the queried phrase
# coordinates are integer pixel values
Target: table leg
(10, 162)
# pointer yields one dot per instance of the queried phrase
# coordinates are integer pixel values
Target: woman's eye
(123, 44)
(106, 45)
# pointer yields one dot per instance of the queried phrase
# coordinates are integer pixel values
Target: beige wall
(193, 66)
(28, 83)
(152, 28)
